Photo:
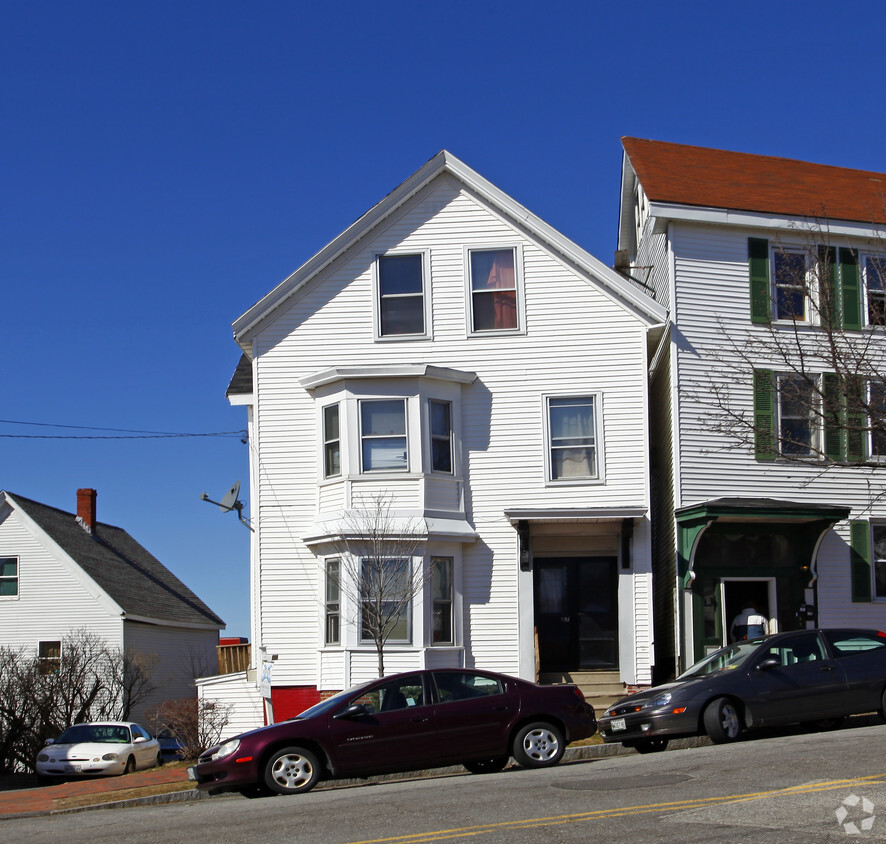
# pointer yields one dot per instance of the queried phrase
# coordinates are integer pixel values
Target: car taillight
(881, 634)
(579, 692)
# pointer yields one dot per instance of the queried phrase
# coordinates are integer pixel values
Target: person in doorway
(749, 624)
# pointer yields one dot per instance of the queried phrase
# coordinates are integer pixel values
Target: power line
(119, 433)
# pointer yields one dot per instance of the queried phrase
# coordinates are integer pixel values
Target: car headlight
(226, 749)
(662, 700)
(42, 758)
(109, 757)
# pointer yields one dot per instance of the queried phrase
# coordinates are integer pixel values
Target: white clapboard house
(767, 392)
(454, 355)
(63, 572)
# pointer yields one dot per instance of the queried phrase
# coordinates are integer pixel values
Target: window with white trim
(383, 443)
(874, 271)
(790, 284)
(494, 289)
(332, 633)
(879, 559)
(401, 295)
(441, 436)
(798, 426)
(8, 577)
(573, 438)
(441, 601)
(331, 441)
(386, 599)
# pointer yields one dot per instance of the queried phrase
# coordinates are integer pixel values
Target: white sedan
(98, 749)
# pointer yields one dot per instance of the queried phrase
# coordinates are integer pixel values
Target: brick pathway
(28, 800)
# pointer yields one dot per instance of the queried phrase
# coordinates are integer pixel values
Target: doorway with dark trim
(576, 613)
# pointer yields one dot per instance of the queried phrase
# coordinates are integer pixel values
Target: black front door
(576, 613)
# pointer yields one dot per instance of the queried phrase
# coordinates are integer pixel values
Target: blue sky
(163, 165)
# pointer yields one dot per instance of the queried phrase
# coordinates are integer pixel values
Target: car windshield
(330, 703)
(103, 733)
(722, 660)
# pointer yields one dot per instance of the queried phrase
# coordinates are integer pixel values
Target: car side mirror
(140, 740)
(49, 741)
(769, 663)
(355, 710)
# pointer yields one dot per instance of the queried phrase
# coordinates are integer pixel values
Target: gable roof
(130, 575)
(712, 178)
(444, 162)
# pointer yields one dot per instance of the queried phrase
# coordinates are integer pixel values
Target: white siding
(182, 655)
(714, 318)
(238, 692)
(53, 601)
(577, 340)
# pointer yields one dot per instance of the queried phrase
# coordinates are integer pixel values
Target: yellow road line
(601, 814)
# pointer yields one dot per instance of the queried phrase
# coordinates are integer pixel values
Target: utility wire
(120, 433)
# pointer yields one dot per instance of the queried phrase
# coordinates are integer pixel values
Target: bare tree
(379, 575)
(196, 724)
(814, 363)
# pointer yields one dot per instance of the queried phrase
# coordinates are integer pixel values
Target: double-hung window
(8, 577)
(401, 295)
(441, 436)
(493, 289)
(49, 657)
(875, 288)
(877, 419)
(331, 441)
(383, 435)
(790, 285)
(572, 434)
(441, 600)
(333, 602)
(879, 560)
(797, 416)
(386, 599)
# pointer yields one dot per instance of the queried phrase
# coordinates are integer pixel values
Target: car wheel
(487, 766)
(292, 770)
(130, 765)
(722, 721)
(651, 745)
(539, 745)
(883, 705)
(158, 762)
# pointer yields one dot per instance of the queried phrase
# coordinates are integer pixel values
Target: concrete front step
(600, 688)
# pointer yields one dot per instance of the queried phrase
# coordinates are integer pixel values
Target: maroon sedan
(422, 719)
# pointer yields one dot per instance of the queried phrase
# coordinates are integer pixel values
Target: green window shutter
(860, 552)
(764, 415)
(850, 289)
(856, 420)
(833, 413)
(829, 294)
(758, 266)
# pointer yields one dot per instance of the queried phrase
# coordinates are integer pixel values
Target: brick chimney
(86, 508)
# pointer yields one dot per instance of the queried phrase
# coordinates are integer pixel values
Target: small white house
(766, 496)
(456, 356)
(61, 572)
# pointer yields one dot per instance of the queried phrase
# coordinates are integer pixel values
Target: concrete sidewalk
(62, 796)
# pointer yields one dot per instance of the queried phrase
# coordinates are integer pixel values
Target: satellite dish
(229, 502)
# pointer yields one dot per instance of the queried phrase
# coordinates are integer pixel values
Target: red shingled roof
(714, 178)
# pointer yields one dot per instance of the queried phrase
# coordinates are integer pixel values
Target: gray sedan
(805, 676)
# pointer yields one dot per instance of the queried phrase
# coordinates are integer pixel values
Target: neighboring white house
(452, 352)
(752, 255)
(62, 572)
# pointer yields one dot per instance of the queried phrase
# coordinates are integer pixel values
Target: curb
(572, 754)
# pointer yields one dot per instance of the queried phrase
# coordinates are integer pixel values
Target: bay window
(383, 435)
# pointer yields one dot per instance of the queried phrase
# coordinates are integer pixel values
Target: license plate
(617, 724)
(72, 769)
(192, 775)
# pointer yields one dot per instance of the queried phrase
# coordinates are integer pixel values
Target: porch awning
(574, 514)
(760, 509)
